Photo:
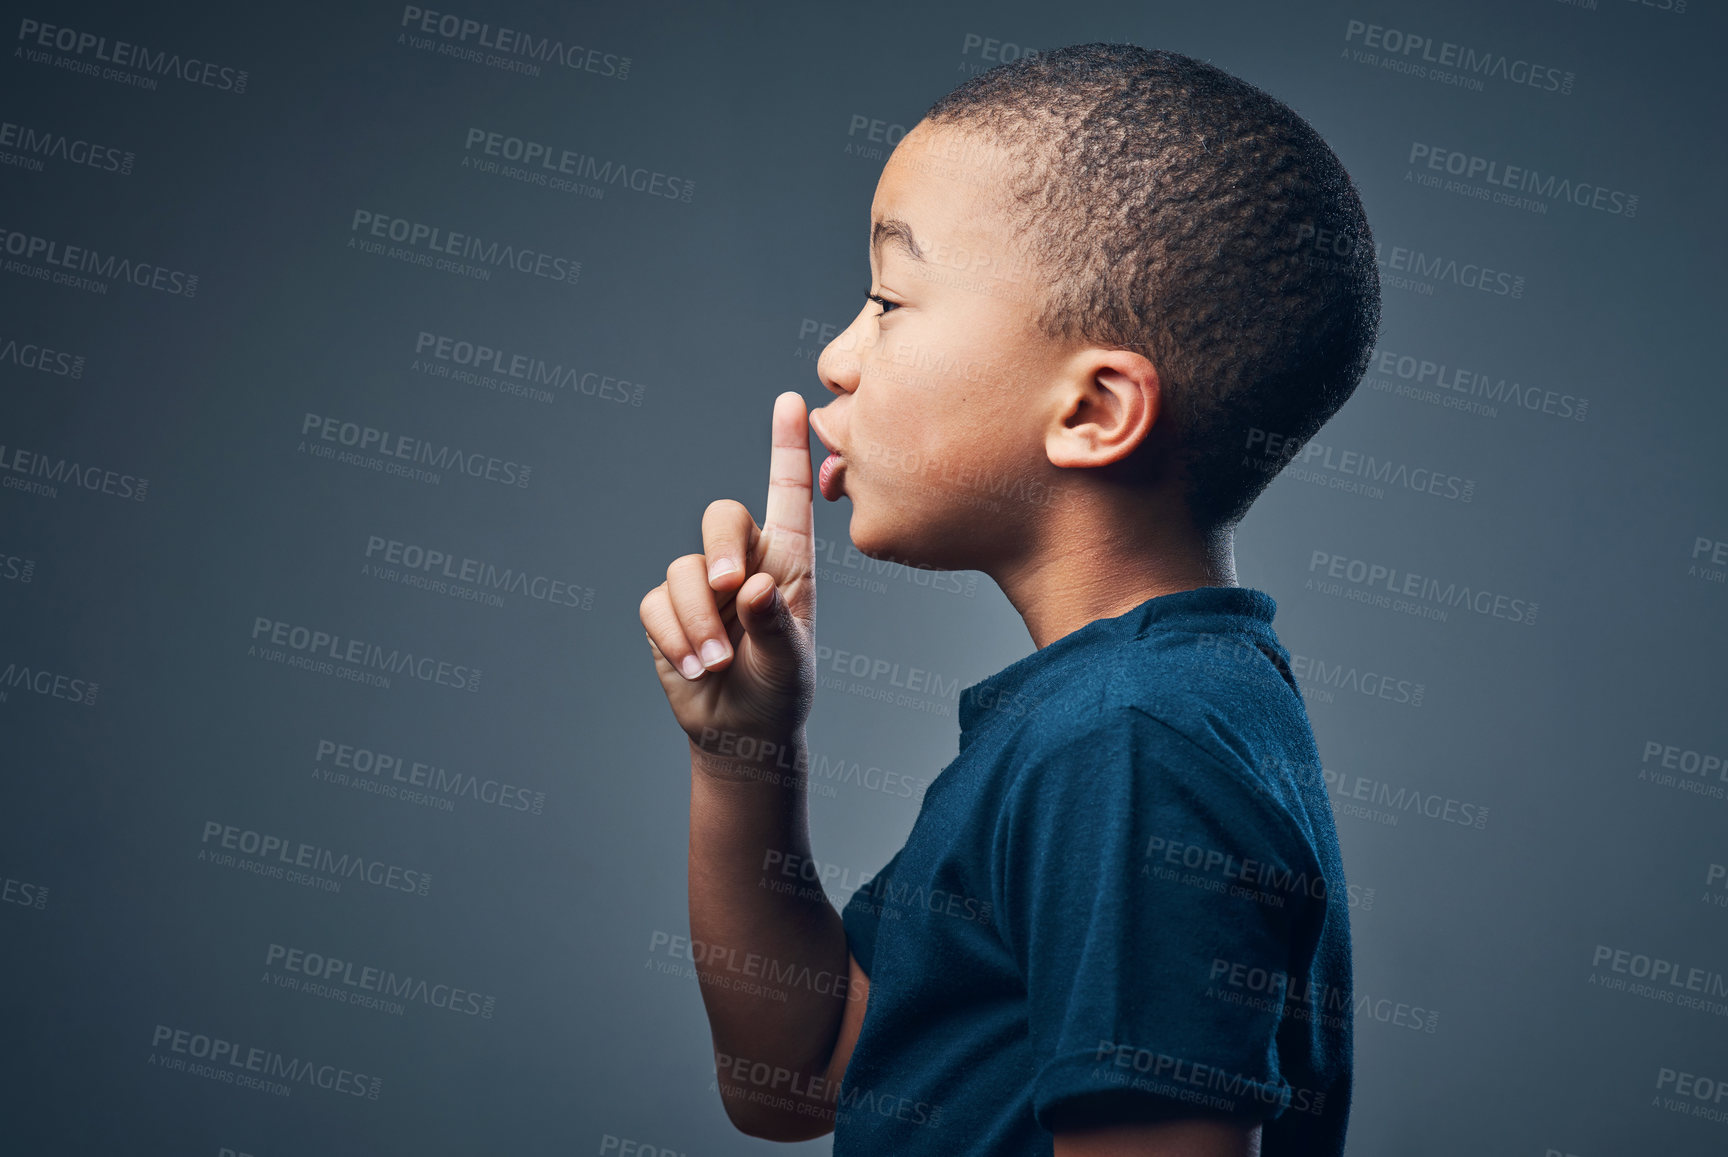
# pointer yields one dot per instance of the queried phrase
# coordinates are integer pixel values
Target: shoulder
(1220, 699)
(1209, 746)
(1102, 741)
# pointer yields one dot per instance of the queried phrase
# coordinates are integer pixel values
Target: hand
(762, 613)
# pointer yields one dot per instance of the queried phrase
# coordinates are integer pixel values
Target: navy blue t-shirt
(1123, 900)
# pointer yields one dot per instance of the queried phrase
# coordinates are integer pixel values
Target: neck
(1107, 558)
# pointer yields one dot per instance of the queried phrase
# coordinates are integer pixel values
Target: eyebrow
(895, 230)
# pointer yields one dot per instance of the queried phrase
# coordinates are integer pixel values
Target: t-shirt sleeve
(862, 913)
(1135, 871)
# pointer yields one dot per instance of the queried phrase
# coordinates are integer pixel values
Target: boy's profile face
(939, 417)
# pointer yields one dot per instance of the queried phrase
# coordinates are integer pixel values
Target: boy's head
(1112, 264)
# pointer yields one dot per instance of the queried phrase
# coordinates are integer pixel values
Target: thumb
(766, 617)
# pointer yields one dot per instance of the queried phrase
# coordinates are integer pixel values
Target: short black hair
(1178, 211)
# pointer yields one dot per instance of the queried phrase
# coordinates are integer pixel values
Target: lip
(831, 474)
(829, 478)
(822, 436)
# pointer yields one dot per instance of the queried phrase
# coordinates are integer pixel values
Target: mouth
(829, 476)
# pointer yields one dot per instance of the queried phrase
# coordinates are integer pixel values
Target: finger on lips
(683, 616)
(789, 520)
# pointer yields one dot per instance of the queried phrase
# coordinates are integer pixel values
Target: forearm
(773, 955)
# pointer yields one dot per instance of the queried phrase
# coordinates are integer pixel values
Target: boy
(1118, 925)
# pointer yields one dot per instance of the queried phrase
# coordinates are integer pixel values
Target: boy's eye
(883, 302)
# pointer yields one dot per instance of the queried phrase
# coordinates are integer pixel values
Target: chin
(893, 544)
(871, 540)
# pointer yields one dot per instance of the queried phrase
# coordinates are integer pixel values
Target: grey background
(1486, 1028)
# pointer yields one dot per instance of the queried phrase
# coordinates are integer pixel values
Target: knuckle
(726, 523)
(701, 613)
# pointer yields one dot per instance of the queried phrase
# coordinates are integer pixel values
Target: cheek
(907, 460)
(884, 410)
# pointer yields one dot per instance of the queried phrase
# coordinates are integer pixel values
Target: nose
(841, 359)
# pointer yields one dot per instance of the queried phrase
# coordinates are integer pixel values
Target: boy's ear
(1108, 401)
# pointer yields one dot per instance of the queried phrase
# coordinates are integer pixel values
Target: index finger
(788, 524)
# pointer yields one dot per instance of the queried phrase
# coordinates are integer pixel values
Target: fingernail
(720, 566)
(691, 666)
(712, 652)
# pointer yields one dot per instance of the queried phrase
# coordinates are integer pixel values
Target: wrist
(728, 754)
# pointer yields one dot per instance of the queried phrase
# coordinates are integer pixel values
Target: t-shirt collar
(1009, 692)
